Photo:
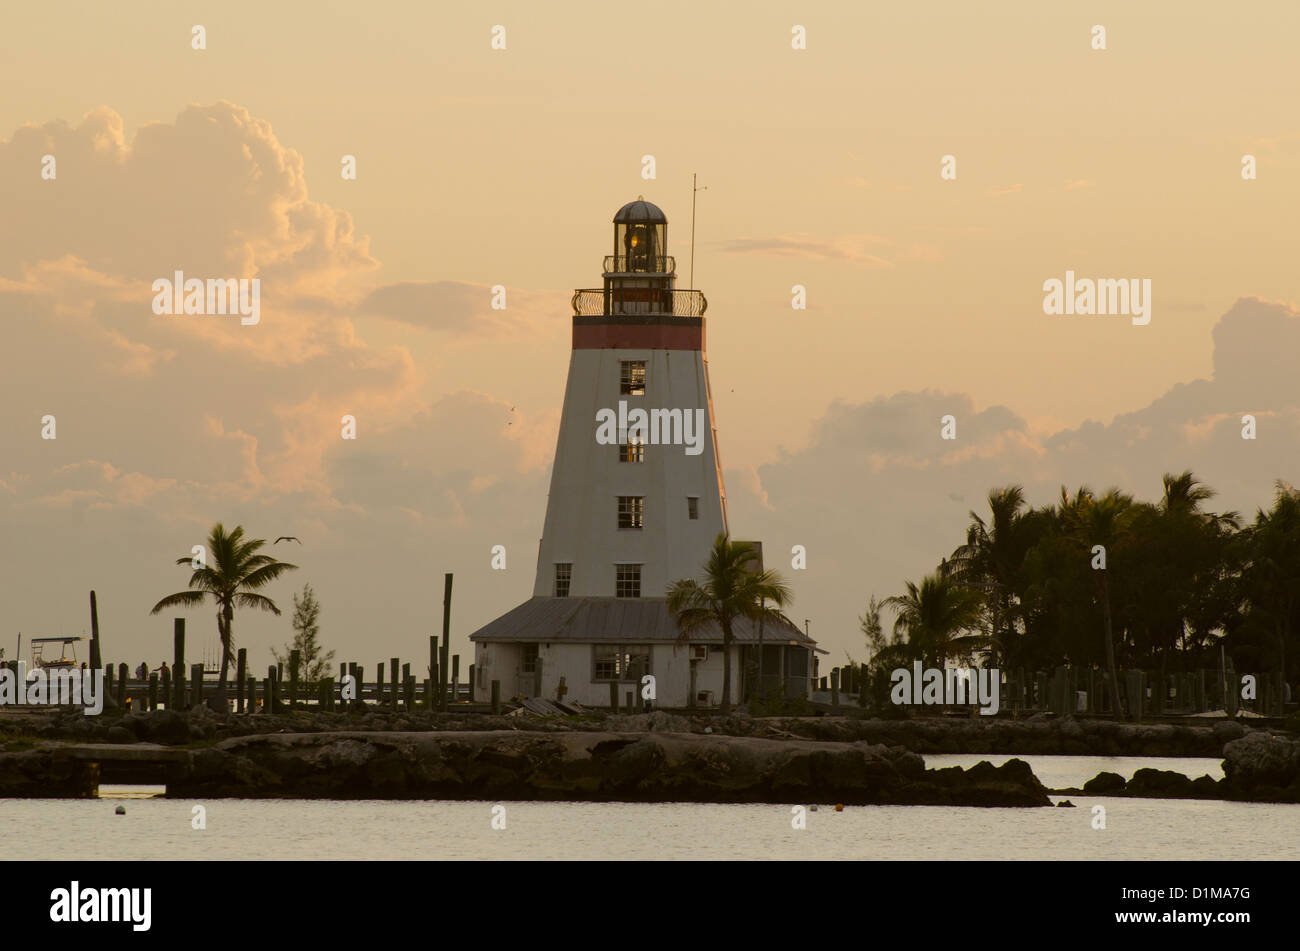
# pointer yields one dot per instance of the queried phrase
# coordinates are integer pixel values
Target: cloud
(878, 497)
(1004, 189)
(465, 310)
(848, 247)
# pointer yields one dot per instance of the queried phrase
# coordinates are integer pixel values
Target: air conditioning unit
(699, 652)
(704, 698)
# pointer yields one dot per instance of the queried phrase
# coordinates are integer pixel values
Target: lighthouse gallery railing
(638, 301)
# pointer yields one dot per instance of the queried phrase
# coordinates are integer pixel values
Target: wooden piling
(295, 663)
(409, 683)
(123, 672)
(241, 674)
(446, 641)
(496, 697)
(178, 661)
(613, 696)
(455, 676)
(394, 664)
(96, 654)
(433, 671)
(379, 686)
(153, 691)
(196, 684)
(835, 689)
(165, 685)
(471, 684)
(252, 693)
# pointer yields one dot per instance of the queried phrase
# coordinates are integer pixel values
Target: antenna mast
(694, 189)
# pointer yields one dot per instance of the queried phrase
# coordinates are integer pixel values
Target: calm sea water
(155, 828)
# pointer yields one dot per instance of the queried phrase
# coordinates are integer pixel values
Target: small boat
(43, 649)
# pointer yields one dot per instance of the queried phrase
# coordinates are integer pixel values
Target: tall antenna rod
(694, 189)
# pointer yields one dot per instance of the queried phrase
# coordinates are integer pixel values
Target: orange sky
(479, 167)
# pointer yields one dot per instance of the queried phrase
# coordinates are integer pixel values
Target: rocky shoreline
(644, 757)
(1034, 736)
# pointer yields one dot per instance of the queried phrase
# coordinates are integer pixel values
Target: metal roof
(616, 620)
(640, 210)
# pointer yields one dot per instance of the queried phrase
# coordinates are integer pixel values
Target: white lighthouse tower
(635, 503)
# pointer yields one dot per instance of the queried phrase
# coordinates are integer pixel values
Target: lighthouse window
(627, 581)
(632, 377)
(631, 511)
(692, 507)
(563, 572)
(632, 450)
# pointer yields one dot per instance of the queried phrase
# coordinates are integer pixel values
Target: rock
(1260, 759)
(120, 734)
(1159, 784)
(1065, 804)
(1227, 730)
(652, 766)
(1104, 784)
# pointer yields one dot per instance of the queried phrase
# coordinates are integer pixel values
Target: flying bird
(287, 538)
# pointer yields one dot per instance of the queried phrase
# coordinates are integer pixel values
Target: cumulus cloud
(878, 497)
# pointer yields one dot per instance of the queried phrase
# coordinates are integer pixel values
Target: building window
(618, 662)
(627, 581)
(528, 658)
(631, 511)
(631, 380)
(636, 661)
(692, 507)
(563, 572)
(632, 449)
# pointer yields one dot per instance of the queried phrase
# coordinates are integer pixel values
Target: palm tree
(1090, 522)
(232, 576)
(732, 589)
(1272, 576)
(933, 616)
(991, 558)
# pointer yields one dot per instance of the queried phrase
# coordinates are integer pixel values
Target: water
(155, 828)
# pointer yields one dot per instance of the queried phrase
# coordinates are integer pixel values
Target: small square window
(563, 573)
(631, 377)
(627, 581)
(631, 511)
(632, 449)
(692, 507)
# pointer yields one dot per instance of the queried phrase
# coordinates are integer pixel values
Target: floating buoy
(120, 810)
(812, 808)
(839, 807)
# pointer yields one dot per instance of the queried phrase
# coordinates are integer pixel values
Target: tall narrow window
(692, 507)
(631, 377)
(631, 511)
(563, 572)
(627, 581)
(528, 658)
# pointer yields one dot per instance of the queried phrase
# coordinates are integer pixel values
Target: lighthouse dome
(641, 212)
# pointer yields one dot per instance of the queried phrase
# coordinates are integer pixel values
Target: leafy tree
(732, 589)
(314, 662)
(233, 575)
(934, 616)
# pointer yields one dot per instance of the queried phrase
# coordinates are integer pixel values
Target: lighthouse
(636, 500)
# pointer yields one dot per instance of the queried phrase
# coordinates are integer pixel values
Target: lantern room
(640, 240)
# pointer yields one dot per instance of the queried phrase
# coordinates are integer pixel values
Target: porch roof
(619, 620)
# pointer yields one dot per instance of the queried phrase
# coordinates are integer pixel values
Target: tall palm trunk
(226, 637)
(725, 707)
(1110, 646)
